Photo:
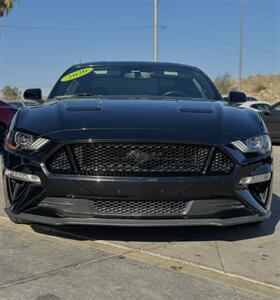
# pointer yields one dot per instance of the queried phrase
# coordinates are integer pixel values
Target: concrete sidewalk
(240, 262)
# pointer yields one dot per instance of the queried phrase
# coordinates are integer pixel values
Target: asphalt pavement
(83, 262)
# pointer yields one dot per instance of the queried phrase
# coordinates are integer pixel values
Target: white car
(256, 105)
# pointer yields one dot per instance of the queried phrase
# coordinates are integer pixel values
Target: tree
(11, 93)
(224, 83)
(6, 6)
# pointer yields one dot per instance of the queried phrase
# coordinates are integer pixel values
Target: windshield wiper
(75, 96)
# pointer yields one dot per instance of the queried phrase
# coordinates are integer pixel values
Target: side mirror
(235, 97)
(267, 112)
(33, 94)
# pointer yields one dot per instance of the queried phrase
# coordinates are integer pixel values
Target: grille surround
(138, 159)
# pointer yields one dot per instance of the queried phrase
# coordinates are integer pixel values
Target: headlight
(24, 141)
(256, 144)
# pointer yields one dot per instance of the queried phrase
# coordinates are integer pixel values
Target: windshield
(134, 81)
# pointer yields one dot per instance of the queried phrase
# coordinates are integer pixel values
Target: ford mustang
(136, 144)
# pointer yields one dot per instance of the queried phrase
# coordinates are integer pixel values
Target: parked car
(251, 98)
(256, 105)
(6, 114)
(271, 118)
(137, 144)
(20, 103)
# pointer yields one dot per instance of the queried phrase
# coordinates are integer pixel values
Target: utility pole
(242, 4)
(155, 30)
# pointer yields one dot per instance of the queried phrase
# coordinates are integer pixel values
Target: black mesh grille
(137, 159)
(221, 164)
(139, 208)
(126, 159)
(59, 163)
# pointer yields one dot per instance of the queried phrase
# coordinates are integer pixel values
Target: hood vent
(199, 107)
(83, 105)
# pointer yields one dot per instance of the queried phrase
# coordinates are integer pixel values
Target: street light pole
(242, 3)
(155, 30)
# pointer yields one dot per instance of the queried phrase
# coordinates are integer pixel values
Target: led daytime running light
(23, 176)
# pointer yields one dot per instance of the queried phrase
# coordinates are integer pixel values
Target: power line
(230, 29)
(24, 27)
(204, 37)
(148, 2)
(225, 27)
(76, 28)
(200, 36)
(274, 18)
(197, 35)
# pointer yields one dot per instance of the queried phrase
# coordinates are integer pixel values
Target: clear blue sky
(41, 38)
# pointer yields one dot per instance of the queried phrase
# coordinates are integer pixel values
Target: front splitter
(29, 218)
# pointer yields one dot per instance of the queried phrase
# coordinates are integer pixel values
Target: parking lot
(240, 262)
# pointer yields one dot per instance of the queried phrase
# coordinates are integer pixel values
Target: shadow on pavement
(167, 234)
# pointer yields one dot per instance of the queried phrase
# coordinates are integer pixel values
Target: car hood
(196, 120)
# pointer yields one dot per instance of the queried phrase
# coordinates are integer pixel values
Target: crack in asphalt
(77, 265)
(218, 253)
(58, 271)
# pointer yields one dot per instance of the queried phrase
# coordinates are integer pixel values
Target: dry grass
(263, 87)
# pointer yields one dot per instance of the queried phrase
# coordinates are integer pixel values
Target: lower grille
(144, 209)
(138, 160)
(139, 208)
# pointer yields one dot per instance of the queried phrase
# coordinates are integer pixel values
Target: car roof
(250, 103)
(256, 102)
(140, 63)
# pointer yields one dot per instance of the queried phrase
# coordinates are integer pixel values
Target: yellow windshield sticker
(76, 74)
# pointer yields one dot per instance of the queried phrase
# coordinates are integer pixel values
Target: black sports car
(130, 143)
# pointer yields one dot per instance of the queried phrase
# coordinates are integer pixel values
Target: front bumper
(67, 200)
